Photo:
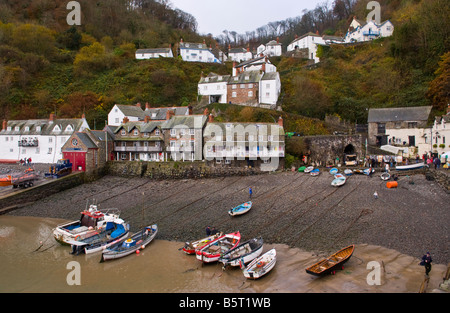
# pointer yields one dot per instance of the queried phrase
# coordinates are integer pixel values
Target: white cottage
(270, 49)
(199, 52)
(308, 41)
(214, 86)
(269, 90)
(145, 54)
(39, 139)
(364, 31)
(239, 54)
(134, 113)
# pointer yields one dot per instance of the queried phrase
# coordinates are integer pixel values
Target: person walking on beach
(426, 261)
(208, 231)
(250, 192)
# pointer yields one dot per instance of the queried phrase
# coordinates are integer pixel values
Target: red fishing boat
(212, 251)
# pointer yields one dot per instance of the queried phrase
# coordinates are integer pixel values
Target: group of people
(25, 161)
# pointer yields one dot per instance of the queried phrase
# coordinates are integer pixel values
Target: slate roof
(153, 50)
(189, 121)
(141, 126)
(131, 110)
(214, 78)
(161, 113)
(399, 114)
(47, 127)
(246, 77)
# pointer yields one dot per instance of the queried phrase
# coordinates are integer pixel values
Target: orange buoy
(392, 184)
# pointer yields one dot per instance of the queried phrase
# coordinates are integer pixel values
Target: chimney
(205, 112)
(169, 114)
(229, 47)
(181, 40)
(317, 32)
(278, 39)
(280, 121)
(147, 106)
(190, 110)
(296, 36)
(5, 125)
(147, 119)
(52, 117)
(138, 105)
(248, 48)
(211, 118)
(83, 116)
(125, 120)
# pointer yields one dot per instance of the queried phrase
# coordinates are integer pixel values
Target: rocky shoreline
(289, 208)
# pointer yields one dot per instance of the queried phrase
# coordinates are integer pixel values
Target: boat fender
(77, 237)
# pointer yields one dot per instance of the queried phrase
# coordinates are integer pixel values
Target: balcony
(137, 149)
(28, 143)
(371, 33)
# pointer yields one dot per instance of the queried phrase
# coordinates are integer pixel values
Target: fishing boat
(385, 176)
(113, 233)
(315, 172)
(212, 251)
(243, 253)
(332, 263)
(338, 180)
(413, 166)
(301, 168)
(92, 222)
(261, 265)
(309, 169)
(130, 245)
(241, 209)
(190, 247)
(348, 172)
(368, 171)
(334, 171)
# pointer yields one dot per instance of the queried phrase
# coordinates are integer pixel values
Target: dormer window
(27, 128)
(17, 128)
(69, 128)
(38, 128)
(123, 132)
(136, 132)
(57, 128)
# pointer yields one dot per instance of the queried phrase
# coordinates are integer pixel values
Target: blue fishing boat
(241, 209)
(315, 172)
(333, 171)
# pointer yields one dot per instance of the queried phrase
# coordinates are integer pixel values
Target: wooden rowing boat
(332, 263)
(190, 247)
(338, 180)
(212, 251)
(309, 169)
(243, 253)
(348, 172)
(261, 265)
(128, 246)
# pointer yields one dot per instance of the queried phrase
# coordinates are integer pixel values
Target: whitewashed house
(438, 136)
(145, 54)
(260, 63)
(199, 52)
(270, 49)
(364, 31)
(239, 54)
(134, 113)
(308, 41)
(269, 90)
(38, 139)
(214, 86)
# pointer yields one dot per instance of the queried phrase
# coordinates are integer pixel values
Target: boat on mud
(243, 253)
(190, 247)
(212, 251)
(261, 265)
(92, 222)
(241, 209)
(332, 263)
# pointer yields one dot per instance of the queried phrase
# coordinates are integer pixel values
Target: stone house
(259, 145)
(183, 137)
(89, 150)
(142, 140)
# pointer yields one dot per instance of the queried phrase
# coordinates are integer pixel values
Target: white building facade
(308, 41)
(41, 139)
(199, 52)
(145, 54)
(360, 31)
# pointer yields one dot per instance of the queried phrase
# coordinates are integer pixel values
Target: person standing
(208, 231)
(426, 261)
(250, 192)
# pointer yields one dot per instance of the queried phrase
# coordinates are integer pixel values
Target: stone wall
(442, 177)
(176, 170)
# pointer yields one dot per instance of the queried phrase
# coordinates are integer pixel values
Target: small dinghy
(315, 172)
(385, 176)
(348, 172)
(332, 263)
(212, 251)
(190, 247)
(338, 180)
(309, 169)
(301, 168)
(128, 246)
(413, 166)
(368, 171)
(261, 265)
(241, 209)
(243, 253)
(334, 171)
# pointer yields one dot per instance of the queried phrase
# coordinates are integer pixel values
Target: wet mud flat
(289, 208)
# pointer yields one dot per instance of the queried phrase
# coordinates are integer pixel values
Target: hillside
(47, 66)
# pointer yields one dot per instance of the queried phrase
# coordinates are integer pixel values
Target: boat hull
(243, 253)
(332, 263)
(212, 251)
(190, 247)
(118, 250)
(241, 209)
(414, 166)
(254, 271)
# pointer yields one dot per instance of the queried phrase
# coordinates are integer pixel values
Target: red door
(78, 160)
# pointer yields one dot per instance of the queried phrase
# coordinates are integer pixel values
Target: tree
(439, 90)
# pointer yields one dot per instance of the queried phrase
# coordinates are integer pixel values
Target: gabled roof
(142, 126)
(66, 126)
(214, 78)
(246, 77)
(87, 141)
(258, 60)
(190, 121)
(131, 110)
(399, 114)
(153, 50)
(161, 113)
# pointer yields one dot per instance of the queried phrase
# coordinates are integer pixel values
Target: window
(27, 128)
(50, 139)
(136, 132)
(50, 151)
(117, 120)
(17, 128)
(123, 132)
(233, 86)
(242, 86)
(250, 94)
(192, 131)
(38, 128)
(381, 128)
(412, 124)
(157, 132)
(250, 86)
(24, 151)
(173, 132)
(233, 94)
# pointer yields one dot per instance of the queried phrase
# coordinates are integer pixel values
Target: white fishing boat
(261, 265)
(413, 166)
(385, 176)
(212, 251)
(241, 209)
(309, 169)
(338, 180)
(243, 253)
(348, 172)
(92, 222)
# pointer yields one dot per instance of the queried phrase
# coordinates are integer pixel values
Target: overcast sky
(214, 16)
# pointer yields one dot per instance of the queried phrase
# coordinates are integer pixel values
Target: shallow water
(32, 261)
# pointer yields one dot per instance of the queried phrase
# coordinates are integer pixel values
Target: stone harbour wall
(176, 170)
(441, 176)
